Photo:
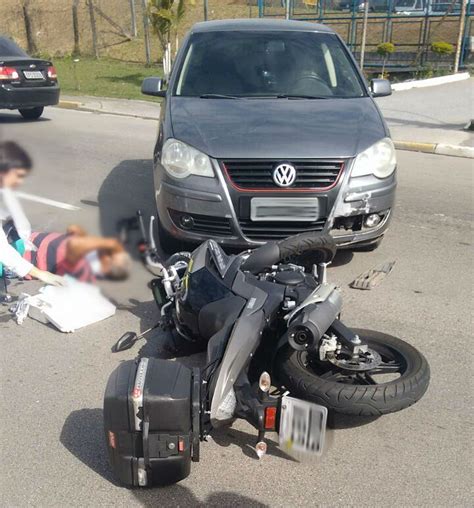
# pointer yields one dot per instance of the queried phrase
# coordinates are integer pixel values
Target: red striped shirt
(51, 256)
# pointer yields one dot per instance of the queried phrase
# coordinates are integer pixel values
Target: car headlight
(379, 160)
(181, 160)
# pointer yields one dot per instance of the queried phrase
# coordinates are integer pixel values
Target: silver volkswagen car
(269, 129)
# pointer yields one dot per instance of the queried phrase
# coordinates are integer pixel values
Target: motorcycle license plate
(33, 74)
(302, 426)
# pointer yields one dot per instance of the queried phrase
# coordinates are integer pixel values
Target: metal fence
(411, 25)
(412, 33)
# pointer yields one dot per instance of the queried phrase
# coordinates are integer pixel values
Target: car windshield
(286, 64)
(9, 48)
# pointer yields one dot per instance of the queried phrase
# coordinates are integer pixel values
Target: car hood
(277, 128)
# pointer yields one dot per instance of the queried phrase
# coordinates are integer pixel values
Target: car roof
(259, 25)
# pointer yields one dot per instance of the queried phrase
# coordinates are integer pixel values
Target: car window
(9, 48)
(253, 64)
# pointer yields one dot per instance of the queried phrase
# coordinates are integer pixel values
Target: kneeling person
(80, 255)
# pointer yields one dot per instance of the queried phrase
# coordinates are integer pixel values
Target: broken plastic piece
(373, 277)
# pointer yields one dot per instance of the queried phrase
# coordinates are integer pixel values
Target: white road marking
(46, 201)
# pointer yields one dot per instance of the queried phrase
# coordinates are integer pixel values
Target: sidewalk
(429, 120)
(434, 115)
(122, 107)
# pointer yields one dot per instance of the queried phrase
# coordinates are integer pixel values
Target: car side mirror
(380, 87)
(153, 86)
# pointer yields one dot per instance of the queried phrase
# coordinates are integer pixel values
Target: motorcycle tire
(307, 249)
(342, 395)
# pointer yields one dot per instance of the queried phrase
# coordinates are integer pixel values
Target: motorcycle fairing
(241, 346)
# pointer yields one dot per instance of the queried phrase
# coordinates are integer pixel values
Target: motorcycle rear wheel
(358, 393)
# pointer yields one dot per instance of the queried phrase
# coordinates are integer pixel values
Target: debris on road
(373, 277)
(67, 308)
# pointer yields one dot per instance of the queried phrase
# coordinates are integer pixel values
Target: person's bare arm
(79, 246)
(76, 230)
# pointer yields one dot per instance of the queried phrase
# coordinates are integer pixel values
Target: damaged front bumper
(199, 208)
(363, 210)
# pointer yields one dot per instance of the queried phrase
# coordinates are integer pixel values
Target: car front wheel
(31, 113)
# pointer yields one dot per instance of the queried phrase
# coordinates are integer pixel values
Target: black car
(27, 84)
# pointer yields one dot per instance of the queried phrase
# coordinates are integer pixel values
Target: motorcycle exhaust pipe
(308, 328)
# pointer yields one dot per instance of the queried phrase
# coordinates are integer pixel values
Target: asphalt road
(52, 451)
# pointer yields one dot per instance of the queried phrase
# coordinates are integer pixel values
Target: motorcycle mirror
(126, 341)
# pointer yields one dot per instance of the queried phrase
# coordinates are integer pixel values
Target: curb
(69, 105)
(436, 148)
(421, 83)
(79, 106)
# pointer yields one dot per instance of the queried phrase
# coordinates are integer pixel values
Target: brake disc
(364, 361)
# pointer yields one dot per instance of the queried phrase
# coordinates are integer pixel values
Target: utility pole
(146, 33)
(364, 34)
(133, 17)
(206, 6)
(462, 19)
(287, 9)
(95, 46)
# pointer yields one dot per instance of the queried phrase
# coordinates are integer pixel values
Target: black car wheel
(31, 113)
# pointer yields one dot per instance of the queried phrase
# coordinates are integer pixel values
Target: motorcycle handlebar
(272, 253)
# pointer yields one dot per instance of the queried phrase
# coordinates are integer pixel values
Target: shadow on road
(229, 436)
(340, 421)
(17, 118)
(83, 435)
(128, 187)
(179, 495)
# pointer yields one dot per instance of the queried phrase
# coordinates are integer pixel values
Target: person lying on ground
(80, 255)
(15, 166)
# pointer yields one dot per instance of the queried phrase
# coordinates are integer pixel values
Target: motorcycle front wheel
(401, 378)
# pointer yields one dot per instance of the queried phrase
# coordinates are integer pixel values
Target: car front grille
(203, 224)
(268, 230)
(257, 174)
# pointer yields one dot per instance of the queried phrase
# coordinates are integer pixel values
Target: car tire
(31, 113)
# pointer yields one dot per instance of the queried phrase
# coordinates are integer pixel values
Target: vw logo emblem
(284, 175)
(32, 66)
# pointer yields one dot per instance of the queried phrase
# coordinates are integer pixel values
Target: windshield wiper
(300, 96)
(218, 96)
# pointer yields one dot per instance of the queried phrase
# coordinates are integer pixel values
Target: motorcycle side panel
(242, 344)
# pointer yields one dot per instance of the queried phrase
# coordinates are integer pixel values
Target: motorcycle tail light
(270, 418)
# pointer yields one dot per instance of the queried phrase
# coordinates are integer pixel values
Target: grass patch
(103, 78)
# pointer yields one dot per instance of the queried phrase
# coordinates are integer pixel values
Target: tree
(385, 49)
(30, 37)
(165, 17)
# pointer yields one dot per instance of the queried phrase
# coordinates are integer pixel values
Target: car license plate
(284, 209)
(33, 74)
(302, 426)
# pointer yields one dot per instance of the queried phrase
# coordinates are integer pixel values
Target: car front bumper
(215, 212)
(14, 97)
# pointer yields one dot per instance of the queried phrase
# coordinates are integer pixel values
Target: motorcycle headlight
(181, 160)
(379, 160)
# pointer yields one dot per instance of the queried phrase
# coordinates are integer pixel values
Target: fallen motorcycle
(278, 356)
